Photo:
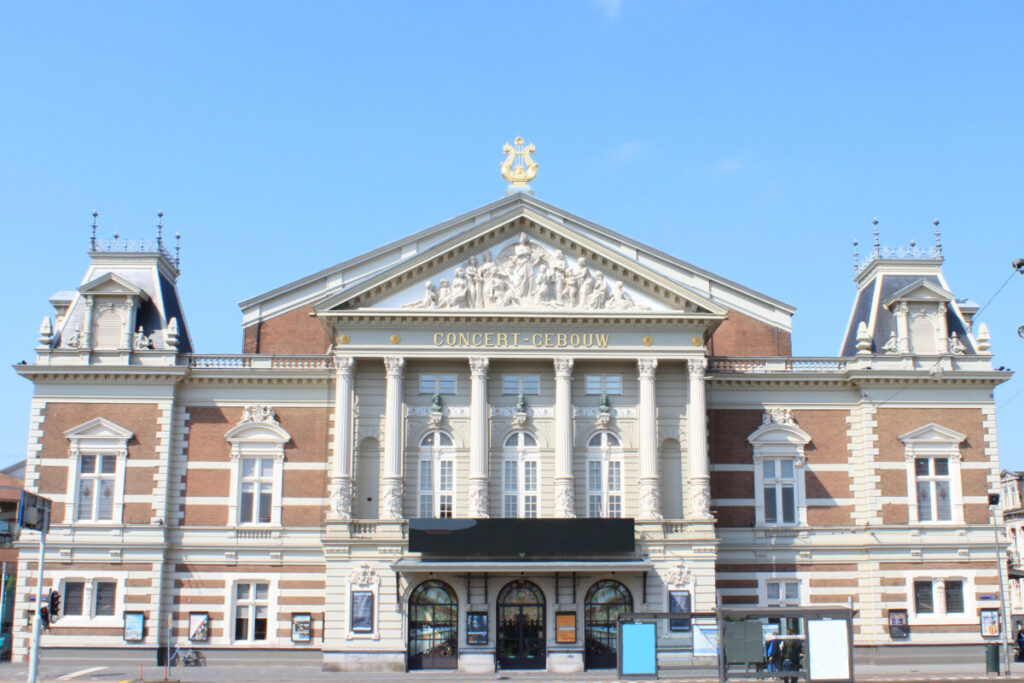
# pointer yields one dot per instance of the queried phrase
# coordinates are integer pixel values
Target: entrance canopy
(410, 565)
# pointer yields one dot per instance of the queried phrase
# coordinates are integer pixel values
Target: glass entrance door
(433, 627)
(521, 642)
(605, 601)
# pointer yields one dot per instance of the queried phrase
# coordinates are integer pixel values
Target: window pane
(594, 506)
(595, 441)
(510, 384)
(772, 591)
(941, 467)
(923, 603)
(105, 509)
(924, 501)
(530, 476)
(86, 487)
(246, 504)
(531, 507)
(594, 475)
(242, 623)
(428, 440)
(427, 384)
(447, 507)
(88, 466)
(793, 591)
(614, 476)
(955, 597)
(611, 440)
(943, 509)
(531, 384)
(768, 467)
(447, 475)
(786, 467)
(109, 466)
(770, 507)
(614, 506)
(921, 467)
(447, 384)
(73, 594)
(262, 591)
(242, 591)
(426, 506)
(512, 441)
(511, 476)
(266, 467)
(593, 384)
(443, 439)
(105, 592)
(612, 384)
(248, 467)
(528, 439)
(259, 626)
(511, 506)
(426, 480)
(788, 505)
(265, 497)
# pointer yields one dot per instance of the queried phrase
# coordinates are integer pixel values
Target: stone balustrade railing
(738, 365)
(259, 361)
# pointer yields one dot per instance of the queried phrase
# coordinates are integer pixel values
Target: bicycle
(187, 655)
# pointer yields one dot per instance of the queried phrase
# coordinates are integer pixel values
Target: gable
(921, 290)
(113, 285)
(523, 263)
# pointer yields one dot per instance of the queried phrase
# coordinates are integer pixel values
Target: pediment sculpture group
(526, 275)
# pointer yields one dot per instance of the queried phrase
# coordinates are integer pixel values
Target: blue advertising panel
(639, 650)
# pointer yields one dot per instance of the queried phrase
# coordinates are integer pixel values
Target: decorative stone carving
(140, 341)
(985, 339)
(446, 411)
(531, 411)
(478, 365)
(650, 501)
(591, 411)
(778, 416)
(863, 339)
(341, 498)
(258, 413)
(46, 333)
(72, 340)
(678, 576)
(700, 499)
(892, 346)
(171, 334)
(565, 499)
(519, 419)
(956, 347)
(364, 575)
(394, 365)
(478, 499)
(646, 367)
(526, 275)
(604, 418)
(697, 368)
(563, 368)
(391, 499)
(435, 418)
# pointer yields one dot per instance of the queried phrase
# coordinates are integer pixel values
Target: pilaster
(565, 497)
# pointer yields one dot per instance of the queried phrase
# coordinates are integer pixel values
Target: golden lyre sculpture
(519, 168)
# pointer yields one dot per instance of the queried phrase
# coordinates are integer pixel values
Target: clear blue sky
(753, 139)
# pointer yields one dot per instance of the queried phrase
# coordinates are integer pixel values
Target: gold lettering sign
(512, 340)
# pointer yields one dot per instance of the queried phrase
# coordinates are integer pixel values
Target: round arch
(603, 604)
(433, 626)
(521, 611)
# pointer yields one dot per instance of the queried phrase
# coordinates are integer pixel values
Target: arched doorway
(604, 602)
(433, 627)
(521, 642)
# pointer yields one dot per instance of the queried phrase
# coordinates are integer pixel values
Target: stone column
(697, 442)
(85, 338)
(903, 326)
(391, 481)
(650, 482)
(565, 494)
(128, 331)
(341, 466)
(478, 438)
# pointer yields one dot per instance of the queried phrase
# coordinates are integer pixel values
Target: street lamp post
(993, 504)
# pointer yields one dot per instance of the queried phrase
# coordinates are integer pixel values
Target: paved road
(115, 672)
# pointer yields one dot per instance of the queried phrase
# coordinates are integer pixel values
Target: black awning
(521, 537)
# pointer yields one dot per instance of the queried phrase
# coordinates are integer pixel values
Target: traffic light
(54, 605)
(44, 615)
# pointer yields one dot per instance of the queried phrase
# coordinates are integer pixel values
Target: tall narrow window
(437, 475)
(933, 489)
(521, 479)
(604, 476)
(924, 601)
(106, 597)
(779, 483)
(256, 499)
(954, 597)
(96, 482)
(74, 598)
(251, 610)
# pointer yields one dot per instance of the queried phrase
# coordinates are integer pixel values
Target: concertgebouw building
(476, 446)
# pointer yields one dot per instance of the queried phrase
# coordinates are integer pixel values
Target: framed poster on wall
(134, 627)
(476, 628)
(899, 627)
(302, 627)
(679, 602)
(199, 627)
(362, 611)
(990, 623)
(565, 627)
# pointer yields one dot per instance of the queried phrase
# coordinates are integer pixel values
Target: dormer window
(111, 305)
(921, 328)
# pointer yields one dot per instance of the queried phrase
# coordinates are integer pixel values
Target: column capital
(646, 367)
(395, 366)
(697, 368)
(563, 368)
(478, 366)
(344, 365)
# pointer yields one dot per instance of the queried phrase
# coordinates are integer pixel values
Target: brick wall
(292, 332)
(741, 335)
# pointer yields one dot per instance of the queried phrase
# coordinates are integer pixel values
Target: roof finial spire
(92, 241)
(160, 228)
(938, 237)
(856, 256)
(177, 249)
(874, 222)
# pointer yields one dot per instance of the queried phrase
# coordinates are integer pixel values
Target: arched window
(605, 601)
(521, 484)
(433, 626)
(437, 475)
(604, 475)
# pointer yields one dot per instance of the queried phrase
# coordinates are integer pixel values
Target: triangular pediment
(521, 263)
(113, 285)
(99, 428)
(922, 290)
(932, 433)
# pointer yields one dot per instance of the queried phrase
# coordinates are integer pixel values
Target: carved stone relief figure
(700, 499)
(478, 502)
(341, 498)
(565, 499)
(650, 501)
(141, 342)
(391, 499)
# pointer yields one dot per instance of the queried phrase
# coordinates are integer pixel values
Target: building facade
(476, 446)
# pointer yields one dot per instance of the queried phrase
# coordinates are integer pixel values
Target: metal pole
(3, 596)
(33, 660)
(1002, 594)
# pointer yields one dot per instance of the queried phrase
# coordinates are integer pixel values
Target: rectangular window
(520, 384)
(934, 502)
(438, 383)
(778, 477)
(105, 592)
(437, 488)
(604, 384)
(954, 597)
(254, 504)
(604, 488)
(924, 603)
(251, 610)
(782, 592)
(96, 480)
(74, 598)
